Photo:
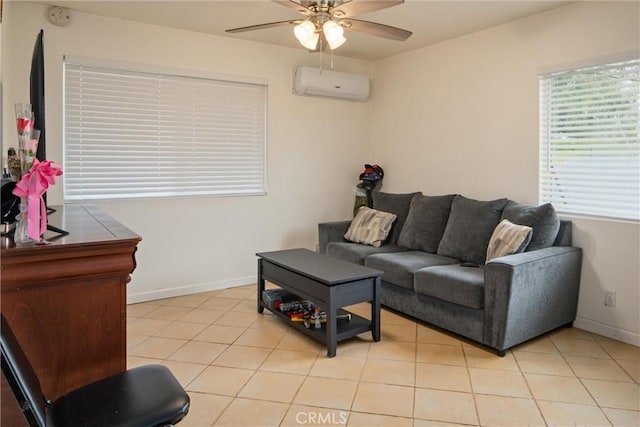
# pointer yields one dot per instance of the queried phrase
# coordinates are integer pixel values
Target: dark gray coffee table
(329, 283)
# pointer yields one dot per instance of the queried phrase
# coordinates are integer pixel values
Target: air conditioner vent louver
(333, 84)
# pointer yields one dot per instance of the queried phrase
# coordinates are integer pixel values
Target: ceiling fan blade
(295, 6)
(263, 26)
(375, 29)
(355, 7)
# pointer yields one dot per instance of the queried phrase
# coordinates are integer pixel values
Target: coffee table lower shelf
(346, 328)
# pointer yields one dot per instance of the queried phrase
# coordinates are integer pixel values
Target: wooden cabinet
(66, 301)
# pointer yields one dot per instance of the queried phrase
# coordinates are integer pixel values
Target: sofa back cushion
(543, 219)
(469, 228)
(397, 204)
(425, 222)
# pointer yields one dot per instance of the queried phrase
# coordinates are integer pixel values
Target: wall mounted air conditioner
(311, 81)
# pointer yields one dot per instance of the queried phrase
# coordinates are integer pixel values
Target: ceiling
(430, 21)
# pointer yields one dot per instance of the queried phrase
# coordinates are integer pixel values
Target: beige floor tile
(632, 368)
(133, 361)
(442, 377)
(358, 346)
(273, 386)
(242, 357)
(198, 352)
(202, 315)
(288, 361)
(181, 330)
(167, 312)
(147, 327)
(220, 304)
(388, 317)
(541, 344)
(571, 414)
(441, 354)
(193, 300)
(488, 359)
(301, 415)
(558, 389)
(446, 406)
(204, 409)
(384, 399)
(246, 306)
(579, 347)
(183, 371)
(543, 363)
(220, 334)
(341, 367)
(240, 292)
(396, 332)
(393, 350)
(498, 382)
(622, 417)
(265, 338)
(248, 412)
(297, 341)
(133, 340)
(508, 411)
(389, 372)
(269, 321)
(620, 350)
(574, 333)
(157, 348)
(360, 419)
(427, 335)
(597, 369)
(417, 422)
(220, 380)
(362, 309)
(615, 395)
(327, 393)
(140, 309)
(236, 318)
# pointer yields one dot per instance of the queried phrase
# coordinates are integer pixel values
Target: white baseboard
(608, 331)
(133, 298)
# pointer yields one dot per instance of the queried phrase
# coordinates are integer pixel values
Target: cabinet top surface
(86, 225)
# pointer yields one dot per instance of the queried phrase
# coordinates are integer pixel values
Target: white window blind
(589, 140)
(133, 134)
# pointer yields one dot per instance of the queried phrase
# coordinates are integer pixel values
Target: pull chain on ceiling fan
(327, 19)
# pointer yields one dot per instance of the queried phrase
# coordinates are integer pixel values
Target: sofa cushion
(425, 222)
(452, 283)
(399, 267)
(508, 238)
(370, 227)
(469, 228)
(397, 204)
(356, 253)
(543, 219)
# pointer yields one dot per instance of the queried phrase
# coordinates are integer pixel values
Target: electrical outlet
(610, 298)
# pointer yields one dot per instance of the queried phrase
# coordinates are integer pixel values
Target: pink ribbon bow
(32, 186)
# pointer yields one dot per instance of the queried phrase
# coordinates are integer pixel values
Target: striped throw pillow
(370, 227)
(508, 238)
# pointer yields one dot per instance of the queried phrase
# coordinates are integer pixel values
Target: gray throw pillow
(397, 204)
(470, 226)
(425, 223)
(543, 219)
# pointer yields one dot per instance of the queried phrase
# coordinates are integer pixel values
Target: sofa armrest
(530, 293)
(331, 232)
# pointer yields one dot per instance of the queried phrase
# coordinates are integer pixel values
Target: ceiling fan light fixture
(306, 34)
(336, 43)
(334, 34)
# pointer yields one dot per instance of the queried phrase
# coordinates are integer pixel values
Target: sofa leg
(501, 353)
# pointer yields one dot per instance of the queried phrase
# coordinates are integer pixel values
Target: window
(133, 133)
(589, 140)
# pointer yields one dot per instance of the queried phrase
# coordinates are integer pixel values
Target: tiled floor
(242, 368)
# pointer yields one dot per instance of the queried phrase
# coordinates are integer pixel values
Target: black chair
(145, 396)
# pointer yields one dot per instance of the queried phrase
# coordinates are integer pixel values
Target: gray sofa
(434, 266)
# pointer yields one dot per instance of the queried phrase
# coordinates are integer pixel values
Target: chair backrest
(21, 377)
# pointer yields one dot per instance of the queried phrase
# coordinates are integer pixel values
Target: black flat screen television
(36, 86)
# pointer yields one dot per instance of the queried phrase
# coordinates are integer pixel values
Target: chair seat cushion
(144, 396)
(399, 267)
(356, 253)
(453, 283)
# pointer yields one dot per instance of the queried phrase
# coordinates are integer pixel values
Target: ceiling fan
(326, 21)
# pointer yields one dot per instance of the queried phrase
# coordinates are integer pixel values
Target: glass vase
(20, 236)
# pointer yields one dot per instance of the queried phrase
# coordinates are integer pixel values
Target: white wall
(462, 117)
(315, 148)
